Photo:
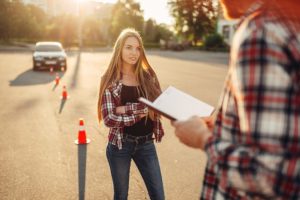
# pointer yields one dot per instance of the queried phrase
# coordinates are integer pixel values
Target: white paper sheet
(178, 105)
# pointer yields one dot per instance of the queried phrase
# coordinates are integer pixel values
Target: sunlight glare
(155, 9)
(107, 1)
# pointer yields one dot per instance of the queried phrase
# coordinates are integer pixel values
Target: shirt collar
(116, 88)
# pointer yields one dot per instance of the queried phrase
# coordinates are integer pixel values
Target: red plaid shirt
(254, 152)
(116, 122)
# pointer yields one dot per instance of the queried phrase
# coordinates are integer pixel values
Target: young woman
(132, 126)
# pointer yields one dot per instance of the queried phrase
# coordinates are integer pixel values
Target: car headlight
(61, 58)
(38, 58)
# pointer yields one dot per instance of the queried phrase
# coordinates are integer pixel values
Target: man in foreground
(253, 143)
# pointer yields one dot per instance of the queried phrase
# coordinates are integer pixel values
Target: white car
(49, 55)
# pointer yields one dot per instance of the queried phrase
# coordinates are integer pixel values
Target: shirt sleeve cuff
(135, 108)
(128, 108)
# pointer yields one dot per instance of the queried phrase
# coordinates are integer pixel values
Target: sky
(155, 9)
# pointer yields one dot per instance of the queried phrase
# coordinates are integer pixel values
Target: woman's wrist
(135, 108)
(120, 110)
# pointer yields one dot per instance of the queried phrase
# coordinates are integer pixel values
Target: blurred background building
(225, 27)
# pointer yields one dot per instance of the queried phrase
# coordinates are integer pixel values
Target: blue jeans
(145, 158)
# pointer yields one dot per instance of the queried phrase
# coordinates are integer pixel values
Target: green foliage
(214, 42)
(164, 32)
(194, 18)
(153, 45)
(154, 33)
(91, 30)
(149, 31)
(5, 20)
(36, 22)
(58, 28)
(26, 22)
(126, 13)
(20, 21)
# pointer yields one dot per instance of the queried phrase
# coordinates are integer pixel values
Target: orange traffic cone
(64, 94)
(81, 134)
(57, 79)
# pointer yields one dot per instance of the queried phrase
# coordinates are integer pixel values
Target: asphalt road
(38, 157)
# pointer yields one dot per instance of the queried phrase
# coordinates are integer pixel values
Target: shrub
(215, 42)
(151, 45)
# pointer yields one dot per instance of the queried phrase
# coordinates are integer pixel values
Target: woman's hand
(193, 132)
(120, 110)
(135, 108)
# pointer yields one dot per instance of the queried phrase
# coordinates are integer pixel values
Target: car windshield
(48, 48)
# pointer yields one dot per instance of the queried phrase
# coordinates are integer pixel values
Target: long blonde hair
(145, 75)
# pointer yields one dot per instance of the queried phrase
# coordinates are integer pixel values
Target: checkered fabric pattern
(254, 152)
(136, 108)
(116, 122)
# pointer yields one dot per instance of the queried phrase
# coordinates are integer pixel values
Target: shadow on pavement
(30, 77)
(75, 74)
(62, 104)
(82, 152)
(54, 87)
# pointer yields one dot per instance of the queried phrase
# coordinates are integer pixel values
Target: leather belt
(138, 139)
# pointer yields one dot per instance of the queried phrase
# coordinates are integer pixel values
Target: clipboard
(152, 107)
(175, 104)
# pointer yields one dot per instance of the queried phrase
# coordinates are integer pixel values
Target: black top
(142, 127)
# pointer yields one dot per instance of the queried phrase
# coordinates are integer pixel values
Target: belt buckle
(140, 140)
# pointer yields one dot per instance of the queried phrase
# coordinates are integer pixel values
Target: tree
(126, 13)
(150, 31)
(11, 14)
(164, 33)
(4, 19)
(18, 21)
(194, 18)
(62, 28)
(91, 30)
(37, 20)
(155, 32)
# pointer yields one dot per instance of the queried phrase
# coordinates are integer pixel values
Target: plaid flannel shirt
(254, 152)
(116, 122)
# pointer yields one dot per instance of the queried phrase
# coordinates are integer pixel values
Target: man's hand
(193, 132)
